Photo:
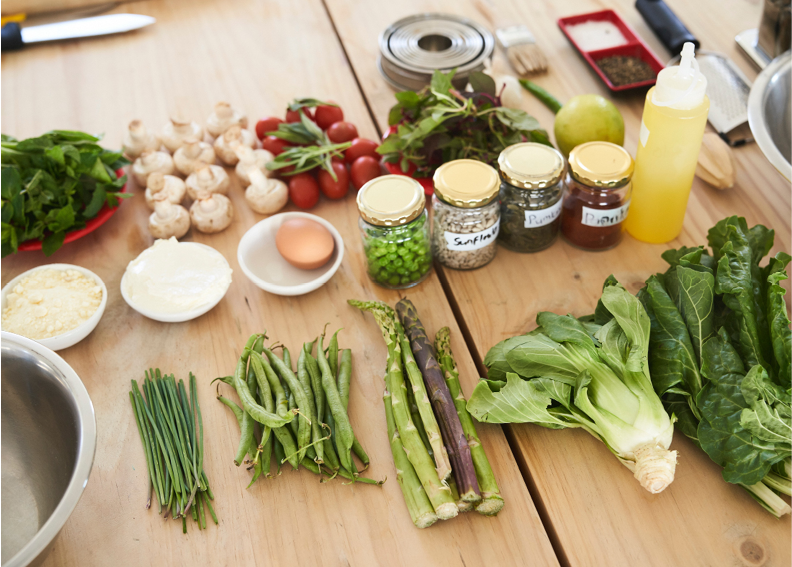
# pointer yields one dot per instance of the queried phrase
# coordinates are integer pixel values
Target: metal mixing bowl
(769, 113)
(48, 445)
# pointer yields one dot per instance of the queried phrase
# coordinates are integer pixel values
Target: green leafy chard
(54, 183)
(560, 375)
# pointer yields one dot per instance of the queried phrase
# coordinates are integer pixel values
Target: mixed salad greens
(54, 183)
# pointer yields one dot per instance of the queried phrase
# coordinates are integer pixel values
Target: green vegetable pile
(720, 355)
(53, 184)
(302, 417)
(580, 373)
(171, 429)
(439, 124)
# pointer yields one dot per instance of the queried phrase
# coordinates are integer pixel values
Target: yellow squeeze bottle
(672, 128)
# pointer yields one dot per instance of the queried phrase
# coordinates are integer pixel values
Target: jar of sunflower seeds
(466, 214)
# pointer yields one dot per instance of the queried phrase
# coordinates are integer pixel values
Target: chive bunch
(171, 428)
(299, 416)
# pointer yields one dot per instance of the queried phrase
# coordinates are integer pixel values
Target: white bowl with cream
(261, 262)
(72, 336)
(173, 281)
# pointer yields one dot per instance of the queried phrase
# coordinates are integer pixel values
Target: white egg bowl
(261, 262)
(69, 338)
(182, 316)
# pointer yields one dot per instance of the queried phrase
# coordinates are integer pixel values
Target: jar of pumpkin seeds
(466, 214)
(531, 196)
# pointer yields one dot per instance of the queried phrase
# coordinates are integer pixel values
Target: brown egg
(304, 243)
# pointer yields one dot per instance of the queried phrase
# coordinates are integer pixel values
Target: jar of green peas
(395, 230)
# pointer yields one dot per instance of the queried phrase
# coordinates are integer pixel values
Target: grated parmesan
(50, 302)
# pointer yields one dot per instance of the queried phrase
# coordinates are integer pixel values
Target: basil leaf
(52, 243)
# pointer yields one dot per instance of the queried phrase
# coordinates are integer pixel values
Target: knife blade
(16, 37)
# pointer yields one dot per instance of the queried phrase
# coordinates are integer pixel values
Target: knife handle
(11, 35)
(665, 24)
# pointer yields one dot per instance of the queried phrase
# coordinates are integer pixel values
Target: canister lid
(600, 164)
(391, 200)
(466, 183)
(531, 166)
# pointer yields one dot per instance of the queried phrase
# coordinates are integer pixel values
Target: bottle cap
(600, 164)
(531, 166)
(391, 200)
(682, 86)
(466, 183)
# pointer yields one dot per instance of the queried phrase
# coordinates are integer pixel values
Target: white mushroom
(168, 219)
(171, 186)
(211, 212)
(137, 140)
(249, 157)
(210, 178)
(148, 163)
(176, 133)
(193, 155)
(225, 146)
(265, 195)
(223, 117)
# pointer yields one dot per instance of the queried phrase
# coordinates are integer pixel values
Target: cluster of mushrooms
(181, 150)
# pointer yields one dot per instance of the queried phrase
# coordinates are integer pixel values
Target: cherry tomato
(363, 170)
(274, 145)
(326, 116)
(391, 130)
(294, 115)
(341, 132)
(303, 190)
(334, 189)
(268, 124)
(361, 147)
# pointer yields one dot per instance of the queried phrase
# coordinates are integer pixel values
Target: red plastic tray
(635, 47)
(101, 217)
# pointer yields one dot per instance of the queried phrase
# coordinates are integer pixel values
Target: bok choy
(578, 373)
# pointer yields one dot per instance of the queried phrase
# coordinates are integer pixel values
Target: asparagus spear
(416, 417)
(450, 427)
(491, 502)
(415, 497)
(439, 494)
(421, 399)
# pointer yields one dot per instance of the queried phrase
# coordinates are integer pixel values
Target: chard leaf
(768, 415)
(696, 297)
(567, 329)
(539, 355)
(601, 313)
(780, 334)
(520, 401)
(633, 320)
(615, 348)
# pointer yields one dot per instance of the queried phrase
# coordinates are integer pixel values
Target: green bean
(332, 354)
(316, 430)
(344, 435)
(280, 454)
(357, 448)
(265, 392)
(316, 469)
(287, 357)
(301, 399)
(288, 446)
(295, 424)
(266, 456)
(249, 403)
(242, 423)
(281, 399)
(345, 376)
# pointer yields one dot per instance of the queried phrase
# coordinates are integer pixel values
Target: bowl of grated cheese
(56, 305)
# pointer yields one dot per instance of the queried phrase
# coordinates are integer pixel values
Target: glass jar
(598, 195)
(395, 230)
(466, 214)
(531, 196)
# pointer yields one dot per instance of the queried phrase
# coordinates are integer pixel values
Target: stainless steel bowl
(770, 115)
(48, 445)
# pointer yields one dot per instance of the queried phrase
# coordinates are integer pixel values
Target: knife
(16, 37)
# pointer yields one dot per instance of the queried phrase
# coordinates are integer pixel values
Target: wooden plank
(258, 56)
(594, 510)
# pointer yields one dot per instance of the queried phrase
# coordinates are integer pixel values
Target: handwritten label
(472, 240)
(605, 217)
(535, 219)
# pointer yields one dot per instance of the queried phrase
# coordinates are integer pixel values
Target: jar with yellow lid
(395, 230)
(466, 214)
(531, 196)
(598, 195)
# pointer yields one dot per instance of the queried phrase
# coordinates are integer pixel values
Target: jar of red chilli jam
(598, 195)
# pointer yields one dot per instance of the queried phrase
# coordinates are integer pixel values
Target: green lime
(587, 118)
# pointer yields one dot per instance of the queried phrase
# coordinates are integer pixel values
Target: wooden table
(573, 504)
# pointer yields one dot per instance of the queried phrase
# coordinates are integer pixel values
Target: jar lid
(531, 166)
(466, 183)
(391, 200)
(601, 164)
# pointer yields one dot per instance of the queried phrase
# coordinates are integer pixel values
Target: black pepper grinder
(665, 24)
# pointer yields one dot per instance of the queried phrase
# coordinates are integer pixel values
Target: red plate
(101, 217)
